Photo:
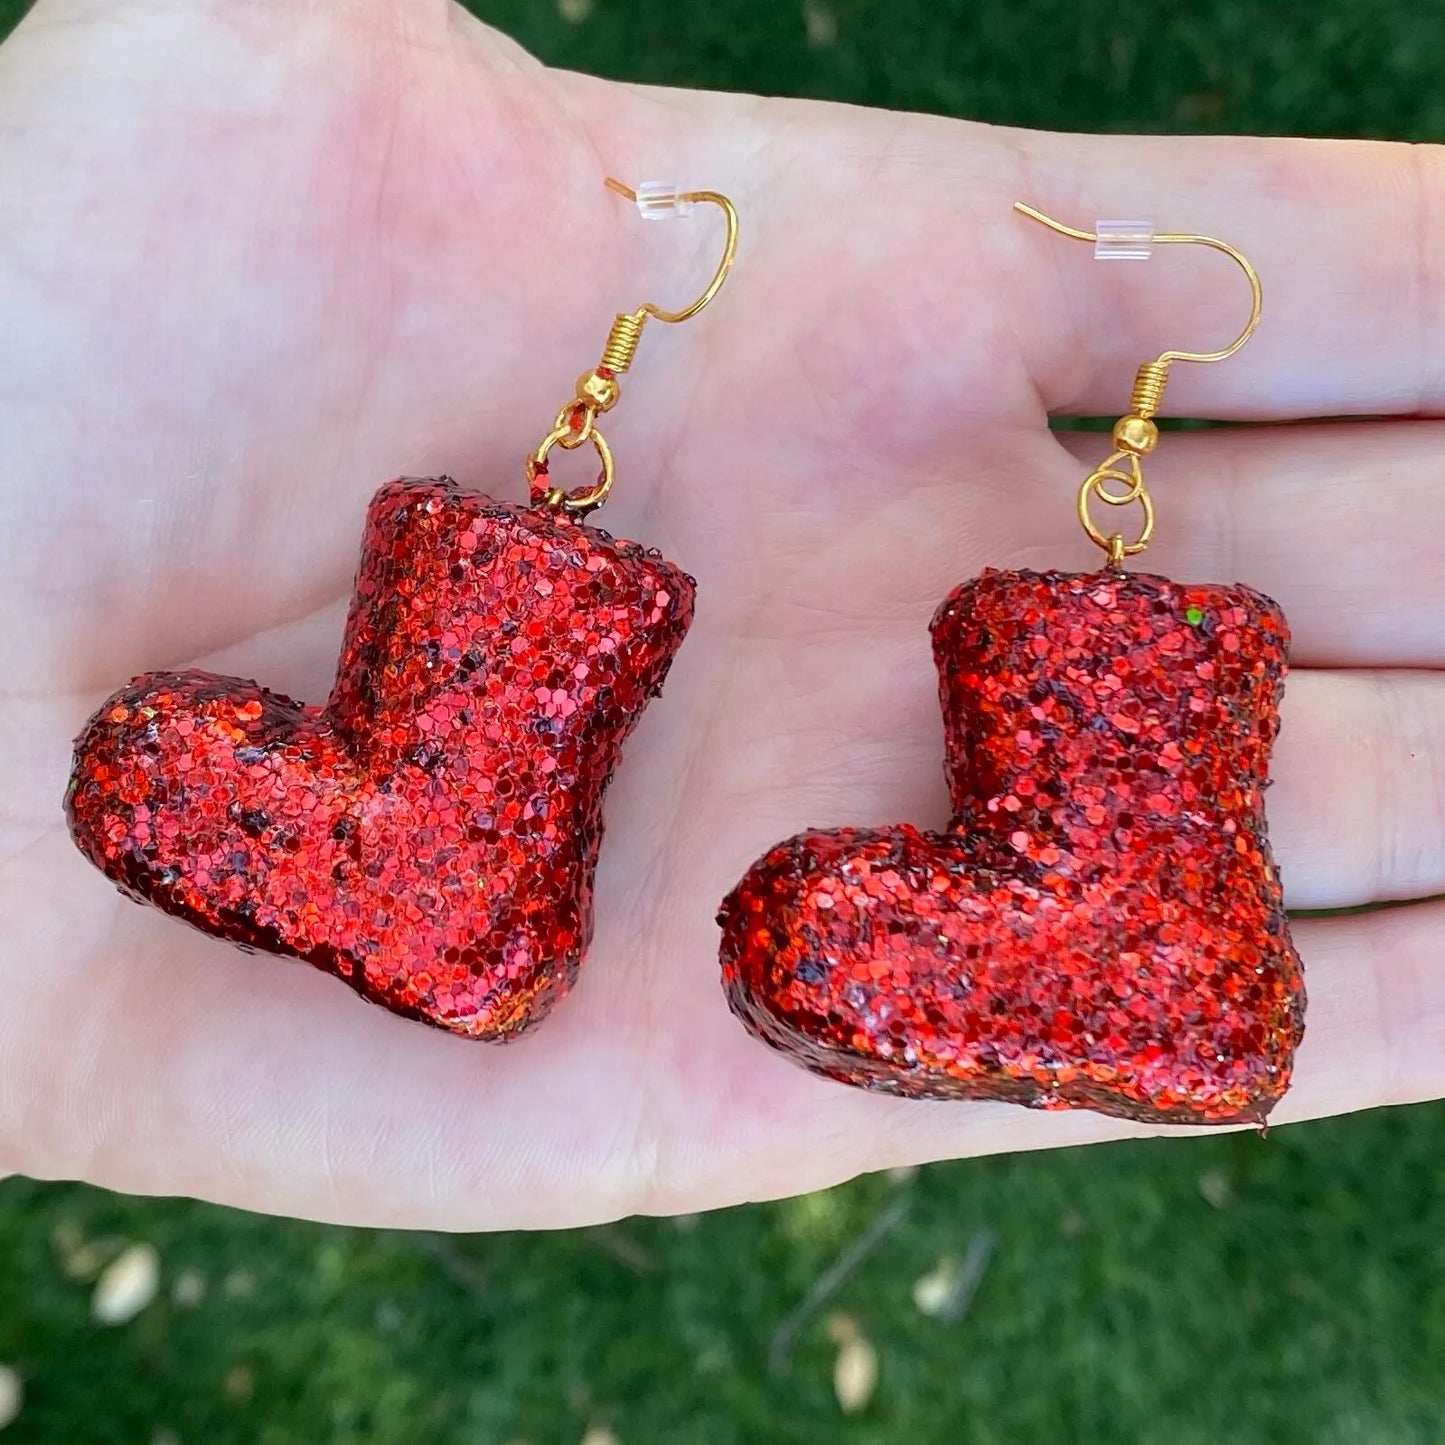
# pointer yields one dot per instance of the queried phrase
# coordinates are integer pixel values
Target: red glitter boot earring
(430, 834)
(1102, 925)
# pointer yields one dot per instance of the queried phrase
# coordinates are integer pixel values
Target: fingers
(930, 274)
(1357, 805)
(398, 12)
(1340, 524)
(1344, 235)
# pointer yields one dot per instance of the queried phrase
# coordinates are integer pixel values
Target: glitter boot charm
(429, 835)
(1102, 924)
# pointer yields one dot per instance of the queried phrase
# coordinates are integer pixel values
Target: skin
(259, 258)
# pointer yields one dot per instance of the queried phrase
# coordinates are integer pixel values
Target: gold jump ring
(581, 504)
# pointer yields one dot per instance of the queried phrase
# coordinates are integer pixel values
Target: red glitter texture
(429, 835)
(1102, 924)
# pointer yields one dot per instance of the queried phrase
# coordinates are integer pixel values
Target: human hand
(260, 258)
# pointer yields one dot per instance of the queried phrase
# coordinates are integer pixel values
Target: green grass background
(1235, 1289)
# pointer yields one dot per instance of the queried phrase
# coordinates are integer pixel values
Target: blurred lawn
(1236, 1289)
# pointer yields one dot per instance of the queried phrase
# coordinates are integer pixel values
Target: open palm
(258, 258)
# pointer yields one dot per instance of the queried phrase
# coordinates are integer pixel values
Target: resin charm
(1102, 923)
(430, 834)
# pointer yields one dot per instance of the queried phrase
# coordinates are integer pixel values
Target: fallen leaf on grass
(126, 1285)
(855, 1368)
(12, 1396)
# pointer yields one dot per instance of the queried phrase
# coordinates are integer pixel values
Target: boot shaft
(1107, 701)
(469, 611)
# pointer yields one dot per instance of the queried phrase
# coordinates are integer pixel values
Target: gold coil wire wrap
(1135, 434)
(623, 341)
(1149, 384)
(598, 390)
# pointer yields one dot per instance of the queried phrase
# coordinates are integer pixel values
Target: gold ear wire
(730, 248)
(1135, 434)
(598, 390)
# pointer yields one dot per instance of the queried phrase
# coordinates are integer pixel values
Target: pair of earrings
(1101, 925)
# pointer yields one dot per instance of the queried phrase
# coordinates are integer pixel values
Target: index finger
(1344, 236)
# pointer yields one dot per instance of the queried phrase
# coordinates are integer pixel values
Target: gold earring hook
(1136, 434)
(730, 247)
(1182, 238)
(598, 390)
